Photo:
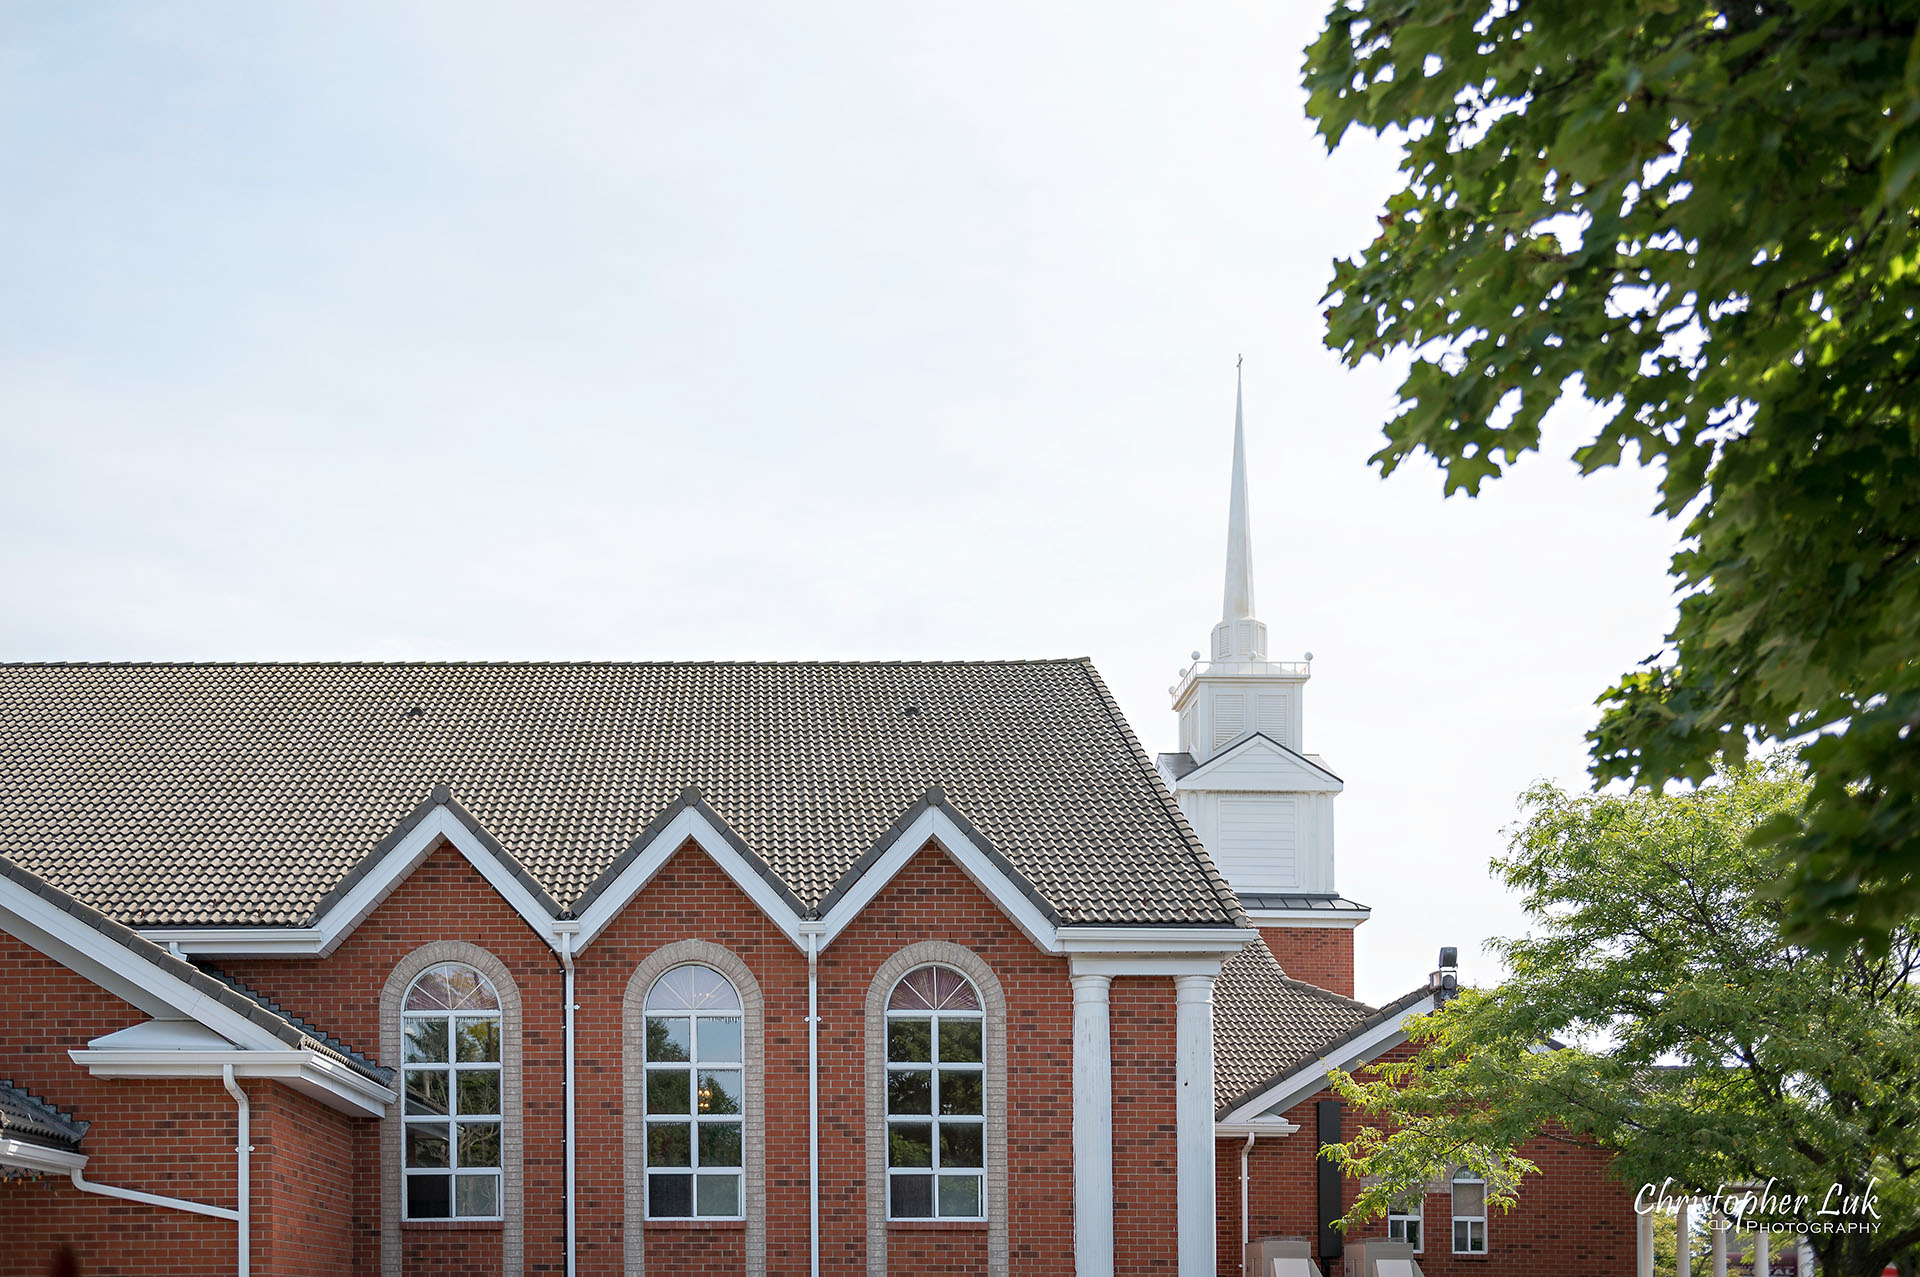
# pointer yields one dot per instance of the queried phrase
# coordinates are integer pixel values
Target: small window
(1403, 1222)
(1469, 1214)
(936, 1113)
(450, 1104)
(695, 1099)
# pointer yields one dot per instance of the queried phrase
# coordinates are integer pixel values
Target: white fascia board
(1152, 951)
(309, 1072)
(935, 825)
(689, 824)
(1312, 1078)
(1308, 919)
(37, 1157)
(256, 942)
(73, 944)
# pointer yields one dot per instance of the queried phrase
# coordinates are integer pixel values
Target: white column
(1193, 1070)
(1683, 1264)
(1643, 1245)
(1805, 1266)
(1762, 1259)
(1092, 1128)
(1719, 1223)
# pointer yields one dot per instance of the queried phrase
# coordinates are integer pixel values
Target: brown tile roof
(210, 794)
(1268, 1025)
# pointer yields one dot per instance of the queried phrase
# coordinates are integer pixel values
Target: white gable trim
(690, 825)
(364, 896)
(1312, 1078)
(935, 825)
(71, 942)
(1302, 774)
(393, 868)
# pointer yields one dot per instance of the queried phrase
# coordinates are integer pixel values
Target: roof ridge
(1223, 893)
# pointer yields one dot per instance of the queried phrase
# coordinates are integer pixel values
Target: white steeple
(1262, 805)
(1239, 637)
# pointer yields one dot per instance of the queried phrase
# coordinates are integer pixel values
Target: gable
(1258, 763)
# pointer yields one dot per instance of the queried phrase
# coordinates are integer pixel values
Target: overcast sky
(821, 330)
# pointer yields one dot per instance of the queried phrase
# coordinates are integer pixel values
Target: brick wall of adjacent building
(1320, 956)
(172, 1137)
(1571, 1218)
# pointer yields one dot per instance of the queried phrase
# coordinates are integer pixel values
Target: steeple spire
(1238, 604)
(1239, 637)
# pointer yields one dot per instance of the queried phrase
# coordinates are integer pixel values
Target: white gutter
(566, 934)
(244, 1171)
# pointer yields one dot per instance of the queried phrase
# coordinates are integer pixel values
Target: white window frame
(1397, 1221)
(452, 1119)
(693, 1068)
(934, 1118)
(1465, 1177)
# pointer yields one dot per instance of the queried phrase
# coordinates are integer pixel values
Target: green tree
(1701, 217)
(1706, 1045)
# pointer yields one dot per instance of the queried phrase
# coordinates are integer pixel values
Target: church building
(597, 968)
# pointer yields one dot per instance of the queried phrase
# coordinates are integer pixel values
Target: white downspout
(813, 1102)
(566, 996)
(1246, 1219)
(243, 1172)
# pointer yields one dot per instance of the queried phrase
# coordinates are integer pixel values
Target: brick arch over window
(392, 1133)
(994, 1002)
(633, 1069)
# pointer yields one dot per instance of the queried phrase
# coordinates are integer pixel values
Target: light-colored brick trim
(994, 998)
(633, 1068)
(392, 1135)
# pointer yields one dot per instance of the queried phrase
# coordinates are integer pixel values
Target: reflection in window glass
(450, 1095)
(936, 1111)
(695, 1096)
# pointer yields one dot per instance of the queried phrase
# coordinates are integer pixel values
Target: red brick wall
(1145, 1126)
(48, 1010)
(1321, 956)
(310, 1204)
(317, 1190)
(692, 898)
(444, 898)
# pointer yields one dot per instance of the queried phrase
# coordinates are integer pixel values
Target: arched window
(450, 1104)
(936, 1109)
(695, 1097)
